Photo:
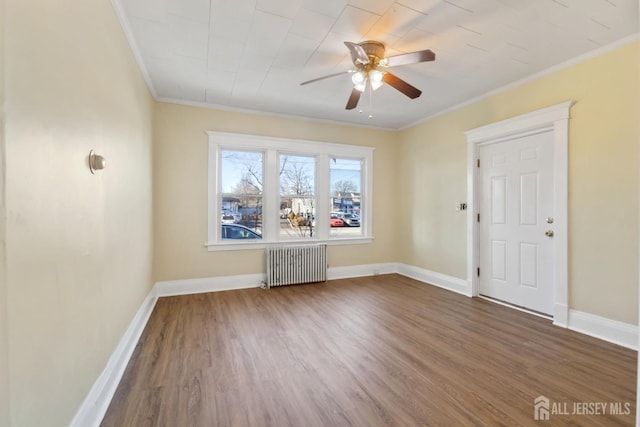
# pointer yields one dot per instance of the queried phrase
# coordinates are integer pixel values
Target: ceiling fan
(370, 62)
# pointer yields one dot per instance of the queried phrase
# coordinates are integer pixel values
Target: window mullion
(322, 197)
(214, 191)
(271, 196)
(366, 200)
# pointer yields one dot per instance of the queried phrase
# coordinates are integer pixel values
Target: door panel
(528, 199)
(499, 260)
(516, 195)
(529, 265)
(498, 199)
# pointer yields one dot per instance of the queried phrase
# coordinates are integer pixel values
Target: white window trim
(271, 194)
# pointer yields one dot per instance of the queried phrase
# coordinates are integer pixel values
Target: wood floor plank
(376, 351)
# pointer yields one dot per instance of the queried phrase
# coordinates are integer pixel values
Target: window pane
(346, 180)
(241, 181)
(297, 196)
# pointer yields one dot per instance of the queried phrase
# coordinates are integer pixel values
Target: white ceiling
(252, 54)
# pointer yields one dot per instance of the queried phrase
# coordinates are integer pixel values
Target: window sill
(239, 246)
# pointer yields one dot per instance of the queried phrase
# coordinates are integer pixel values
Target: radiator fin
(292, 265)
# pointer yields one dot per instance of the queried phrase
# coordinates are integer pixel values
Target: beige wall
(4, 331)
(180, 190)
(78, 245)
(603, 184)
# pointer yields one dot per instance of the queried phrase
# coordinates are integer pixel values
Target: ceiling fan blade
(353, 99)
(399, 84)
(326, 77)
(409, 58)
(357, 53)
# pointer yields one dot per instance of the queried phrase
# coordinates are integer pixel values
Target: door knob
(548, 233)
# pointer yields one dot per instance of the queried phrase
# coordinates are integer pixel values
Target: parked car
(236, 231)
(228, 219)
(336, 222)
(349, 220)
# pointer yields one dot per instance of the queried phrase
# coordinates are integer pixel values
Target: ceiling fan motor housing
(374, 50)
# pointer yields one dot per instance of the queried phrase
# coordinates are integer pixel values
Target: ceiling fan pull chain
(370, 101)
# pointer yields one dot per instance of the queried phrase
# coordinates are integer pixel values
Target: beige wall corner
(78, 246)
(603, 184)
(180, 190)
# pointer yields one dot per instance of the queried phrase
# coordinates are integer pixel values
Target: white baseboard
(246, 281)
(561, 315)
(454, 284)
(207, 284)
(96, 403)
(334, 273)
(613, 331)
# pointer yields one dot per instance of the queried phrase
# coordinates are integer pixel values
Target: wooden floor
(376, 351)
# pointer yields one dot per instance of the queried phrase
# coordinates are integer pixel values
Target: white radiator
(292, 265)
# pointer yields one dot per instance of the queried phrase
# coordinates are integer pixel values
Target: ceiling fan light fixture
(360, 86)
(375, 77)
(358, 78)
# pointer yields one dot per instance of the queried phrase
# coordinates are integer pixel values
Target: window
(240, 195)
(297, 196)
(272, 190)
(345, 178)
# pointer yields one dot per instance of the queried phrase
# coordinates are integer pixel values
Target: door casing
(554, 118)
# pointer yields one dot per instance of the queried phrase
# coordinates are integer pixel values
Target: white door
(516, 221)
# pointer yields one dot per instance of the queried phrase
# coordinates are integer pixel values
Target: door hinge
(478, 271)
(478, 217)
(478, 163)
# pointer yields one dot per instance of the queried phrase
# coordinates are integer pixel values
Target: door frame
(556, 119)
